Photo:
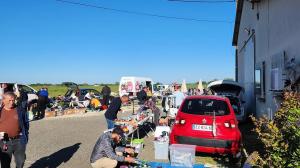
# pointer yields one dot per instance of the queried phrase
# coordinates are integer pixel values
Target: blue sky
(47, 41)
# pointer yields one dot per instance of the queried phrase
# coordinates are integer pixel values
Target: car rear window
(205, 107)
(83, 92)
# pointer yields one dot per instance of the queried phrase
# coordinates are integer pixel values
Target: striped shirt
(105, 147)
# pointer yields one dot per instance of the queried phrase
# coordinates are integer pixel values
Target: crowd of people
(89, 100)
(108, 150)
(195, 91)
(14, 120)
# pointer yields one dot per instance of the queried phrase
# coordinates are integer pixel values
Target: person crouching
(107, 151)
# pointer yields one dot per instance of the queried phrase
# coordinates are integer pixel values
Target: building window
(260, 89)
(257, 81)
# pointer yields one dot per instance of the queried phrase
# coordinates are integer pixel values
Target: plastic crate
(182, 155)
(161, 150)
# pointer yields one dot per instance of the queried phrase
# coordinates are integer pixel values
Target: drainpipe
(236, 65)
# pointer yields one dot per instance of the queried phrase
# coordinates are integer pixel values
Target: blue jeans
(16, 148)
(110, 124)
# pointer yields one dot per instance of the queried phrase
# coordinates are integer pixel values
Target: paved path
(64, 141)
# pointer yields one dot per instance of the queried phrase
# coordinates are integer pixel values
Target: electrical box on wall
(275, 79)
(277, 72)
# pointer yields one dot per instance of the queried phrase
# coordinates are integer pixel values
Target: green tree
(281, 136)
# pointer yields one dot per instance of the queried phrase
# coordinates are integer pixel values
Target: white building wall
(277, 30)
(246, 58)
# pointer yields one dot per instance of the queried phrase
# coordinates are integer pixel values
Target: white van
(16, 87)
(131, 85)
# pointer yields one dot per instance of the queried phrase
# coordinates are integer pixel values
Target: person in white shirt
(2, 89)
(179, 97)
(75, 100)
(1, 92)
(87, 99)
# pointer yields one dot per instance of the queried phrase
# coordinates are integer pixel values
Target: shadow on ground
(215, 160)
(57, 158)
(250, 138)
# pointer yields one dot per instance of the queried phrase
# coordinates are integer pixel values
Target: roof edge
(239, 10)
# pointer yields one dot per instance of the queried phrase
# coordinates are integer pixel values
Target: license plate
(202, 127)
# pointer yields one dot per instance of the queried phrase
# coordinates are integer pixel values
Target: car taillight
(230, 124)
(180, 122)
(227, 125)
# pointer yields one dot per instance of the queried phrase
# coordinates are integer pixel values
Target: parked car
(209, 123)
(73, 87)
(16, 87)
(234, 92)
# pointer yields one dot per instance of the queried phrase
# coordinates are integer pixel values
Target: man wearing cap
(107, 151)
(14, 126)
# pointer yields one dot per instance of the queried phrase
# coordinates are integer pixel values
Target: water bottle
(137, 148)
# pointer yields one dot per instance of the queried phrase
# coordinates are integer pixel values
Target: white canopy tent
(200, 86)
(183, 87)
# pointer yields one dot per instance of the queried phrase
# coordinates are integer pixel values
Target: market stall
(134, 123)
(164, 154)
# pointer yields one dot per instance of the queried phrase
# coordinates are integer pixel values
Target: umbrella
(200, 86)
(183, 87)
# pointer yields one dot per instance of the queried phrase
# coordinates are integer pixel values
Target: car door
(30, 92)
(72, 87)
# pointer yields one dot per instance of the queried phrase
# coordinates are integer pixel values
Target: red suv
(209, 123)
